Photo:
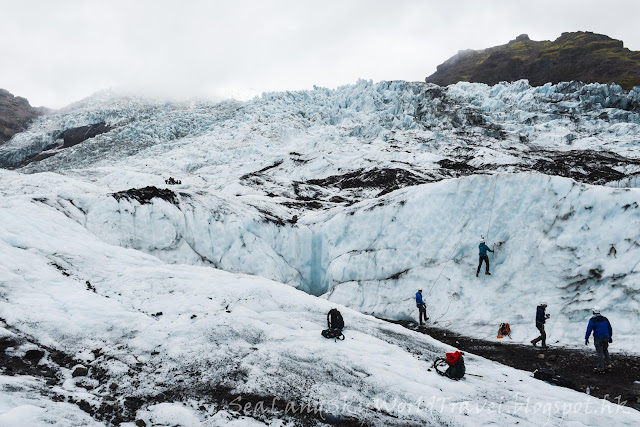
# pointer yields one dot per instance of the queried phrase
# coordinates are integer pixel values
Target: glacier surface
(359, 196)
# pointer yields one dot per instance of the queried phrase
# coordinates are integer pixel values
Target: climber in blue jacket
(602, 337)
(483, 257)
(422, 307)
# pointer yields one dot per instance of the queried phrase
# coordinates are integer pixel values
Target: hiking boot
(477, 274)
(487, 273)
(545, 347)
(534, 343)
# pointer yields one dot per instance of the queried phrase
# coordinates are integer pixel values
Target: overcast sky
(54, 52)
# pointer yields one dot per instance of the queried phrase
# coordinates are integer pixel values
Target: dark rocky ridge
(77, 135)
(67, 139)
(578, 56)
(15, 114)
(146, 194)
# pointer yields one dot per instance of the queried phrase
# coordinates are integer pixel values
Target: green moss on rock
(580, 56)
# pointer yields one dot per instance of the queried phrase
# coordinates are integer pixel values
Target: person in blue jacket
(541, 318)
(483, 256)
(602, 337)
(422, 307)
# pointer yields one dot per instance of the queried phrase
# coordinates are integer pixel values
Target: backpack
(503, 330)
(333, 333)
(334, 319)
(455, 365)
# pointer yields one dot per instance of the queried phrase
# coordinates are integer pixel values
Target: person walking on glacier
(483, 256)
(541, 318)
(422, 307)
(602, 337)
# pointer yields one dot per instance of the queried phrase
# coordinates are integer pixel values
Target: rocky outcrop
(15, 114)
(579, 56)
(79, 371)
(77, 135)
(145, 195)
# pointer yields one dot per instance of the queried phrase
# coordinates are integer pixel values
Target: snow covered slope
(190, 345)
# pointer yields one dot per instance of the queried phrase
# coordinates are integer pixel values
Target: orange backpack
(504, 329)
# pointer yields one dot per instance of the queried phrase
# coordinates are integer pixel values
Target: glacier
(359, 196)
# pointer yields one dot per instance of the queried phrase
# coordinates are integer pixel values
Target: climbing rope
(462, 235)
(453, 297)
(455, 249)
(493, 199)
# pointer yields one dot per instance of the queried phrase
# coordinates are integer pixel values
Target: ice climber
(602, 337)
(541, 318)
(422, 307)
(483, 256)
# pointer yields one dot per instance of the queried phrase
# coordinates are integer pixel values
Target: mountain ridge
(574, 56)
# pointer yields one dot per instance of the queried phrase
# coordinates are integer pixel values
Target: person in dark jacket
(422, 307)
(483, 257)
(541, 318)
(602, 337)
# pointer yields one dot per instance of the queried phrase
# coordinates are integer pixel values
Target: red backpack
(455, 365)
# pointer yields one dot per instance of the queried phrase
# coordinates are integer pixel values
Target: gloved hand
(586, 342)
(547, 316)
(610, 340)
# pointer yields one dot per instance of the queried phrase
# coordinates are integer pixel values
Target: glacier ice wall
(214, 231)
(569, 244)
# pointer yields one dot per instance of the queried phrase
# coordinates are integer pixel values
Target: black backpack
(335, 320)
(454, 363)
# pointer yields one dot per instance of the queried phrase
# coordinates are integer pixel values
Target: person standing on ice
(541, 318)
(602, 337)
(483, 256)
(422, 307)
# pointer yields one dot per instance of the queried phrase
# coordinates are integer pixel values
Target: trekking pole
(475, 375)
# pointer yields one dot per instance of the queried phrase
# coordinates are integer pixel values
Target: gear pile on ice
(335, 324)
(454, 363)
(504, 330)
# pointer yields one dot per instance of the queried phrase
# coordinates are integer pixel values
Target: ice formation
(358, 196)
